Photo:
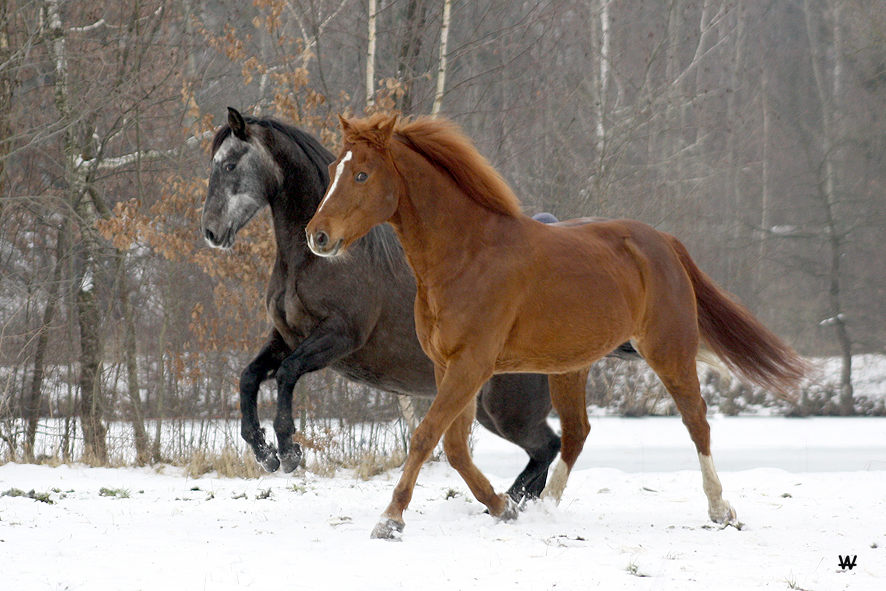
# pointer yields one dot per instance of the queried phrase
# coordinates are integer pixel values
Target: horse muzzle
(322, 245)
(219, 239)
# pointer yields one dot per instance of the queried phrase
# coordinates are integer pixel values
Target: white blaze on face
(339, 170)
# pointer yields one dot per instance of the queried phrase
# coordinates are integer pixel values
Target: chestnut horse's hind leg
(683, 387)
(457, 387)
(568, 396)
(693, 409)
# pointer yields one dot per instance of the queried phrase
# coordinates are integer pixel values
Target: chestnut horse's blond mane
(443, 144)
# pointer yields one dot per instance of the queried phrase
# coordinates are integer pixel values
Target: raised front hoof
(388, 529)
(290, 460)
(724, 514)
(270, 462)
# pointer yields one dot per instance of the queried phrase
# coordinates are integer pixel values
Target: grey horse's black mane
(319, 156)
(384, 248)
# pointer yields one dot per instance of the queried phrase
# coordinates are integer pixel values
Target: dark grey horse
(354, 315)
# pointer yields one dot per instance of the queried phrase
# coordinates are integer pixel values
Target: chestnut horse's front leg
(458, 452)
(457, 386)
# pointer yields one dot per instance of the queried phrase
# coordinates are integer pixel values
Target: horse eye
(361, 177)
(230, 166)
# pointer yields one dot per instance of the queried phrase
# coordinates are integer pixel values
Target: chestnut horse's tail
(741, 341)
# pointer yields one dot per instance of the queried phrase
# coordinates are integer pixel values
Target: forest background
(753, 130)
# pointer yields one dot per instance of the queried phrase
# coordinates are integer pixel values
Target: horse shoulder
(299, 296)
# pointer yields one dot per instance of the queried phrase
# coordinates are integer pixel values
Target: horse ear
(346, 126)
(237, 124)
(386, 129)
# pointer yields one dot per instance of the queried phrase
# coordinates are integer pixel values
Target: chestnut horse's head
(364, 189)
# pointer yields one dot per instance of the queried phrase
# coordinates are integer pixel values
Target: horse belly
(392, 359)
(571, 349)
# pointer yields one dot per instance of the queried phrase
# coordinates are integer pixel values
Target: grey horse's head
(243, 178)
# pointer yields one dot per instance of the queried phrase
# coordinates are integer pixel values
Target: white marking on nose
(338, 172)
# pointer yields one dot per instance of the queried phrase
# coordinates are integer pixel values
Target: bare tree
(444, 47)
(7, 80)
(414, 23)
(370, 53)
(829, 95)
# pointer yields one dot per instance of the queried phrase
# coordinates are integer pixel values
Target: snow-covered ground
(632, 517)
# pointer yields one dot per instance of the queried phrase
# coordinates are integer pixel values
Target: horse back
(643, 260)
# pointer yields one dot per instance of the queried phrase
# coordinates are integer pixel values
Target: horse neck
(293, 206)
(438, 224)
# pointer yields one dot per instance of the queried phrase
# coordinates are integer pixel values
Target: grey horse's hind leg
(515, 407)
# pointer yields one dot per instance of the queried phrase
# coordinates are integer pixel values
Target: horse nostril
(321, 239)
(210, 237)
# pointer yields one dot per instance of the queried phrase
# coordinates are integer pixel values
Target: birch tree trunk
(602, 92)
(766, 199)
(94, 431)
(444, 48)
(370, 55)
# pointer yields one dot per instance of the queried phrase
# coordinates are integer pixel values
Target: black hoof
(519, 495)
(290, 459)
(270, 462)
(528, 491)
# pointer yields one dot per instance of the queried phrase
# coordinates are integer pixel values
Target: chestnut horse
(499, 292)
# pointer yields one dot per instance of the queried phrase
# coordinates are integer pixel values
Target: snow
(868, 373)
(642, 525)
